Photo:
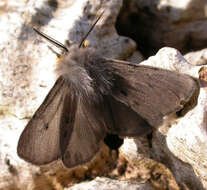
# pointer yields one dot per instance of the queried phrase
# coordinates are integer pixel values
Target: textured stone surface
(197, 57)
(109, 184)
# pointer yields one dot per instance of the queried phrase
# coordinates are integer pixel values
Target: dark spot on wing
(46, 126)
(67, 155)
(123, 92)
(65, 134)
(67, 119)
(150, 85)
(168, 9)
(149, 76)
(137, 103)
(78, 157)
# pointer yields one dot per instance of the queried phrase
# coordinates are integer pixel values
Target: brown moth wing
(124, 121)
(89, 130)
(39, 143)
(152, 92)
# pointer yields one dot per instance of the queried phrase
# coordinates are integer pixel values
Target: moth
(94, 96)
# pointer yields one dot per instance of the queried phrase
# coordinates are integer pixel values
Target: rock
(137, 151)
(197, 57)
(171, 59)
(156, 24)
(109, 184)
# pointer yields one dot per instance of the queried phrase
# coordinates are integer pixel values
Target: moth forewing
(39, 142)
(153, 92)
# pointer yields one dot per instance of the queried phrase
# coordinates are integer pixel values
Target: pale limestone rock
(197, 57)
(171, 59)
(109, 184)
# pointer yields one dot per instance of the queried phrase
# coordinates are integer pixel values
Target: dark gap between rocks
(142, 25)
(153, 28)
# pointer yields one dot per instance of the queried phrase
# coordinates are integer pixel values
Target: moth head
(78, 64)
(68, 55)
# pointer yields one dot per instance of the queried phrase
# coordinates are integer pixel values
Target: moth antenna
(51, 40)
(84, 38)
(55, 52)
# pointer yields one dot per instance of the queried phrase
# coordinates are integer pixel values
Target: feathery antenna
(51, 40)
(62, 46)
(84, 38)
